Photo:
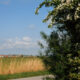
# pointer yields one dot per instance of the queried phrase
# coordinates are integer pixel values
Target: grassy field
(20, 65)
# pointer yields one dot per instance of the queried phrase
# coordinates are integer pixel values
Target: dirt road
(34, 78)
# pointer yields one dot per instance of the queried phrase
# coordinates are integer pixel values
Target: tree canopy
(65, 15)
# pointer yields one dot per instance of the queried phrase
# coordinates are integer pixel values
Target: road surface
(34, 78)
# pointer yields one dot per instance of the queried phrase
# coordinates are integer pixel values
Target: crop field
(19, 65)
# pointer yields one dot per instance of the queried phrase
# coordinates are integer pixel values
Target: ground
(35, 78)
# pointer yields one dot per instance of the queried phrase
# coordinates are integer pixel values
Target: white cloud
(24, 42)
(5, 2)
(26, 38)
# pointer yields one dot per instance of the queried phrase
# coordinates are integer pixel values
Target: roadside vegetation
(23, 75)
(20, 65)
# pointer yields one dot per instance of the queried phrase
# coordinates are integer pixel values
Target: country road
(35, 78)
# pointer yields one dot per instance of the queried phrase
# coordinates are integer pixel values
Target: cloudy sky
(19, 26)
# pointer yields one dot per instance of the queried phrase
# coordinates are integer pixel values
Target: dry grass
(18, 65)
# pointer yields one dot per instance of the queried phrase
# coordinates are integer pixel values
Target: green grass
(23, 75)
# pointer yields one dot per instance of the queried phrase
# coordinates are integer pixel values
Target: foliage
(65, 15)
(55, 60)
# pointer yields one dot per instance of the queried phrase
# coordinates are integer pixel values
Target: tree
(56, 44)
(65, 15)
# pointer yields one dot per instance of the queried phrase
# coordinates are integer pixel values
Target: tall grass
(19, 65)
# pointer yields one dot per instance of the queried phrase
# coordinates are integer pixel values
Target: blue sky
(19, 26)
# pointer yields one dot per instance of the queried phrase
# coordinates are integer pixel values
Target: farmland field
(19, 65)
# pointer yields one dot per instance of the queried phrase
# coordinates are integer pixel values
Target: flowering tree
(65, 15)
